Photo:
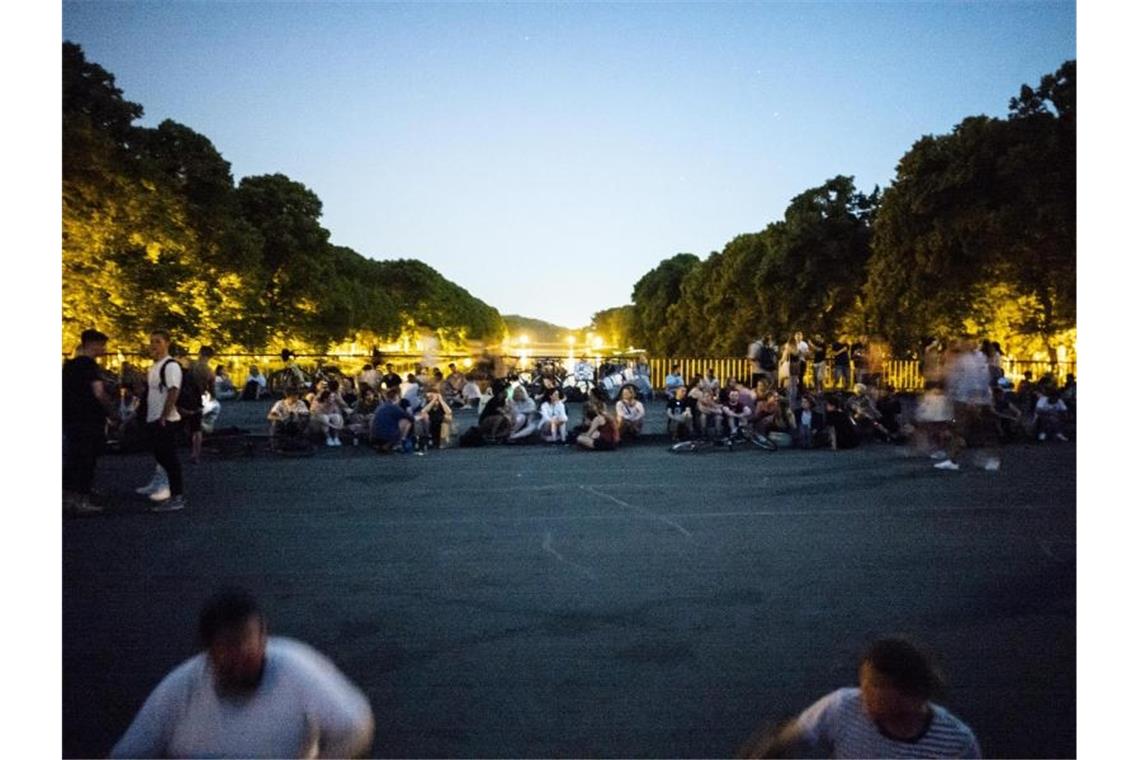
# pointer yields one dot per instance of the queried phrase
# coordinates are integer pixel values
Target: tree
(653, 294)
(987, 209)
(613, 325)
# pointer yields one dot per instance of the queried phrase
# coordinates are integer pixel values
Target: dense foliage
(155, 233)
(976, 235)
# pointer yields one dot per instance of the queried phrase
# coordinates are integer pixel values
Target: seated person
(553, 419)
(601, 432)
(211, 410)
(495, 421)
(368, 376)
(736, 415)
(436, 381)
(1008, 415)
(1051, 414)
(471, 395)
(453, 385)
(679, 411)
(811, 425)
(522, 412)
(709, 383)
(433, 422)
(255, 385)
(842, 433)
(410, 391)
(673, 381)
(391, 423)
(325, 417)
(710, 413)
(389, 379)
(345, 394)
(223, 386)
(630, 413)
(289, 417)
(766, 416)
(360, 416)
(866, 414)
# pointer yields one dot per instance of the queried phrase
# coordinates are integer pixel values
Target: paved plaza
(542, 601)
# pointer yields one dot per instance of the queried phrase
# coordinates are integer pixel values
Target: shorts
(192, 422)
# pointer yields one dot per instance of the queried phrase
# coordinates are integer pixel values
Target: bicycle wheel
(762, 442)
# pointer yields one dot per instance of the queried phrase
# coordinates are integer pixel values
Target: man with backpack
(164, 379)
(762, 354)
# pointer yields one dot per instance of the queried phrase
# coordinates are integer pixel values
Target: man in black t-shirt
(390, 379)
(86, 407)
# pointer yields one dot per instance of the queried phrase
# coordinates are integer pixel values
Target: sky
(546, 156)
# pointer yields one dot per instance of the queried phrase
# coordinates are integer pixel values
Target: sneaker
(336, 441)
(1062, 437)
(992, 464)
(1041, 436)
(162, 494)
(946, 464)
(157, 481)
(330, 442)
(940, 454)
(172, 504)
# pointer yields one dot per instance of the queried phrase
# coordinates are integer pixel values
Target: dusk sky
(545, 156)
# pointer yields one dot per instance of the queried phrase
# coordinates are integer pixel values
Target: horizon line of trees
(976, 235)
(155, 233)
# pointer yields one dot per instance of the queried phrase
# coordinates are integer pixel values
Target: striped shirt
(838, 725)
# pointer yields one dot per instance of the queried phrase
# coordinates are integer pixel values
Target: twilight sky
(545, 156)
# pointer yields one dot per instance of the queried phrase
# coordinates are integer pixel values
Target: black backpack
(189, 392)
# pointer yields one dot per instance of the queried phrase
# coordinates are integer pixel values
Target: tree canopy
(156, 234)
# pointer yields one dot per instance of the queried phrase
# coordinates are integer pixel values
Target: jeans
(164, 443)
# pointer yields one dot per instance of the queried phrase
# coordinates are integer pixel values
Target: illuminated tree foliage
(976, 234)
(156, 234)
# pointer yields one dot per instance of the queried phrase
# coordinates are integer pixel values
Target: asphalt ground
(543, 601)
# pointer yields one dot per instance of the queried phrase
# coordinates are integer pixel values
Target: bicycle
(738, 439)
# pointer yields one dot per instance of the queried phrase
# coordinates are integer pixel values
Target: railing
(903, 374)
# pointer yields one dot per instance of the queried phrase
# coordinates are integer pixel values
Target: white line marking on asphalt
(548, 547)
(636, 508)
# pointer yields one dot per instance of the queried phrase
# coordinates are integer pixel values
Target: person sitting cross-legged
(735, 413)
(433, 422)
(602, 433)
(325, 417)
(288, 419)
(811, 425)
(523, 413)
(630, 413)
(679, 413)
(552, 426)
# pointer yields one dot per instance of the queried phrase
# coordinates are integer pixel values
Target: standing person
(248, 694)
(841, 363)
(968, 386)
(390, 378)
(889, 715)
(199, 376)
(819, 363)
(86, 407)
(163, 380)
(369, 376)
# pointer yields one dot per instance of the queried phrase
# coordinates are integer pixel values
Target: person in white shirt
(162, 420)
(521, 408)
(250, 695)
(410, 392)
(630, 413)
(1051, 412)
(552, 426)
(889, 715)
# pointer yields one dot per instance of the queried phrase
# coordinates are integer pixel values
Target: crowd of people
(968, 405)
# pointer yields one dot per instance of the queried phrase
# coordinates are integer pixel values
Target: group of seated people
(418, 411)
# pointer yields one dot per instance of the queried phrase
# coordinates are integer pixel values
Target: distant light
(467, 362)
(524, 339)
(570, 340)
(598, 342)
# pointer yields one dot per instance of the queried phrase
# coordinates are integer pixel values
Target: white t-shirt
(303, 707)
(156, 396)
(556, 411)
(1043, 406)
(838, 726)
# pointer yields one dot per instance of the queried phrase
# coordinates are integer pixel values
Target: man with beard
(250, 695)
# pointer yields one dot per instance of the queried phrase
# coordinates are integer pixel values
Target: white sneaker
(330, 442)
(83, 506)
(1041, 436)
(336, 441)
(946, 464)
(940, 454)
(170, 505)
(992, 464)
(1062, 437)
(162, 494)
(157, 481)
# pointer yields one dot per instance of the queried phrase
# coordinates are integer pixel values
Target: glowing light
(524, 339)
(598, 343)
(570, 339)
(467, 363)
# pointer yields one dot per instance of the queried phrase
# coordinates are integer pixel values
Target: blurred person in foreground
(889, 715)
(248, 694)
(967, 377)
